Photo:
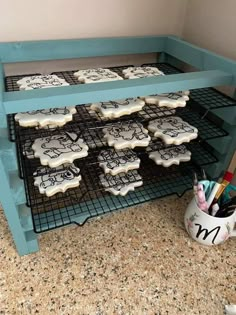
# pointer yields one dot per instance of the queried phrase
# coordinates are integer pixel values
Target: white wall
(211, 24)
(57, 19)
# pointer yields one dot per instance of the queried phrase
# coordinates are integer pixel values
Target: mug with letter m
(207, 229)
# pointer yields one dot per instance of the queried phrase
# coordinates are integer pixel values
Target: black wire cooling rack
(89, 199)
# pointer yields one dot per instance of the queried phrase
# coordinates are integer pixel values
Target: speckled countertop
(137, 261)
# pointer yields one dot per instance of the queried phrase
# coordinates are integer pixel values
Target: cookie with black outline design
(122, 183)
(172, 130)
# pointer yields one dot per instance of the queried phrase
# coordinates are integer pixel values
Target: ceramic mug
(207, 229)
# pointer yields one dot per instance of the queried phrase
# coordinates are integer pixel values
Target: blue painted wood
(228, 114)
(11, 213)
(77, 48)
(221, 144)
(3, 121)
(86, 93)
(199, 57)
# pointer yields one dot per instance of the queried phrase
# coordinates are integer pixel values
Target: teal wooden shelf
(212, 70)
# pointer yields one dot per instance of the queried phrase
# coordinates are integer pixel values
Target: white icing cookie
(114, 162)
(168, 155)
(97, 75)
(115, 109)
(94, 138)
(141, 72)
(59, 179)
(152, 111)
(126, 135)
(172, 130)
(171, 100)
(121, 184)
(59, 149)
(40, 82)
(27, 149)
(45, 117)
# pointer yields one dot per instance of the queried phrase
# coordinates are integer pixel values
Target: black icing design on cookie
(61, 144)
(167, 152)
(175, 128)
(128, 131)
(116, 104)
(50, 111)
(114, 158)
(56, 177)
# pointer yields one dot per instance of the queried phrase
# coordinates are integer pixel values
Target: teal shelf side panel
(3, 120)
(227, 114)
(199, 57)
(78, 48)
(87, 93)
(12, 215)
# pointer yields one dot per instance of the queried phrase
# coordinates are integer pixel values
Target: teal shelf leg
(26, 242)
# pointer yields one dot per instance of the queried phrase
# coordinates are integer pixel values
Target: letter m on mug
(207, 233)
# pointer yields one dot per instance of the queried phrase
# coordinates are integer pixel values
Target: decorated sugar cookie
(171, 100)
(173, 130)
(141, 72)
(115, 109)
(126, 135)
(59, 149)
(168, 155)
(114, 162)
(94, 138)
(41, 82)
(122, 183)
(45, 117)
(59, 179)
(97, 75)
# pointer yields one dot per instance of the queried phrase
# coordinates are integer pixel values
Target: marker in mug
(215, 209)
(212, 194)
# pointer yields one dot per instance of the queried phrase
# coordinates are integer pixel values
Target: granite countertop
(136, 261)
